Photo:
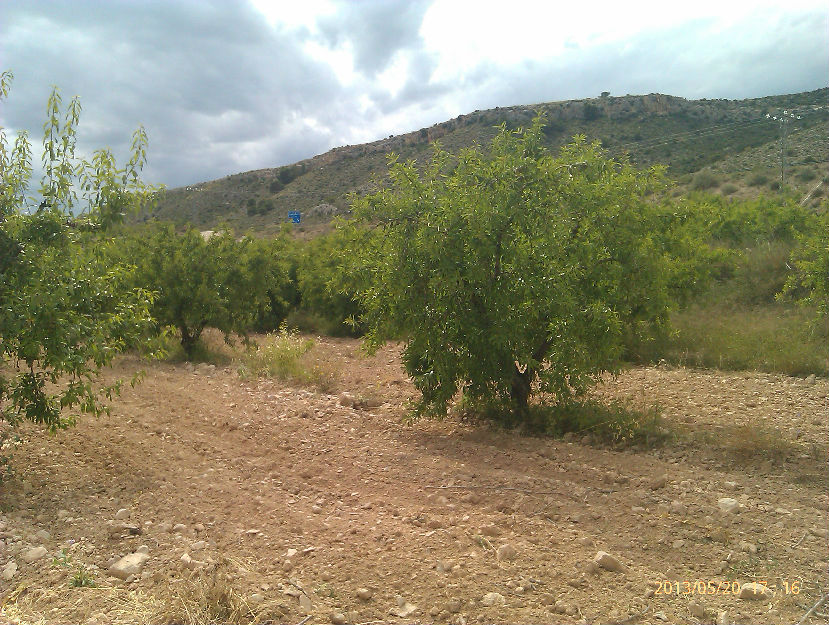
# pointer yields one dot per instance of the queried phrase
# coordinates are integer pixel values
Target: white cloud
(226, 86)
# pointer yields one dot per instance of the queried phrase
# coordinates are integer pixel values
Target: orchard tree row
(507, 271)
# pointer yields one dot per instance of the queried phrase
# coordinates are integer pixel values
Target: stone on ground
(609, 562)
(9, 570)
(35, 553)
(507, 552)
(130, 564)
(492, 598)
(754, 591)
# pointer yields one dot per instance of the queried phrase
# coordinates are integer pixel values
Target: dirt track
(255, 469)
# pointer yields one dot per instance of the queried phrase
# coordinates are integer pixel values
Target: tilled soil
(325, 506)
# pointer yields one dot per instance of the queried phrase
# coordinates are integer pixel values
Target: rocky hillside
(732, 140)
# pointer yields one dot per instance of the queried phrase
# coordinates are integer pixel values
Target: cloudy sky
(224, 86)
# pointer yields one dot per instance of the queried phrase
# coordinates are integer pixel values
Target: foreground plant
(513, 271)
(64, 314)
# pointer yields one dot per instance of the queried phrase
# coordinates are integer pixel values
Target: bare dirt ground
(296, 508)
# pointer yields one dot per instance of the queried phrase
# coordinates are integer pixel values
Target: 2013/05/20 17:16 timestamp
(716, 587)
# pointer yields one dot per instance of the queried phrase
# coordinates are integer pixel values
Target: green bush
(810, 280)
(704, 180)
(220, 283)
(516, 273)
(758, 179)
(64, 314)
(325, 303)
(729, 188)
(806, 175)
(772, 338)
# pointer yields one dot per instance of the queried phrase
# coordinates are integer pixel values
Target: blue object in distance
(295, 216)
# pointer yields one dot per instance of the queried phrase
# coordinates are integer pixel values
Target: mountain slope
(729, 137)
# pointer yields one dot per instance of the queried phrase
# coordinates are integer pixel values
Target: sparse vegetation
(769, 338)
(283, 355)
(704, 180)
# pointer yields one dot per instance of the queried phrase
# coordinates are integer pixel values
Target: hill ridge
(687, 135)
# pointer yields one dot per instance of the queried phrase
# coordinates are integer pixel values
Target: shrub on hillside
(704, 180)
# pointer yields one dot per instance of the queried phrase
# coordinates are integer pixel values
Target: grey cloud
(200, 76)
(376, 30)
(220, 91)
(751, 59)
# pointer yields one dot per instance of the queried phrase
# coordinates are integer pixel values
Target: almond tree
(511, 271)
(63, 313)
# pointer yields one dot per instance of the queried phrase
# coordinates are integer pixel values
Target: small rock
(659, 482)
(490, 530)
(592, 567)
(753, 590)
(560, 607)
(122, 514)
(62, 514)
(404, 608)
(492, 598)
(547, 599)
(660, 615)
(454, 605)
(782, 511)
(178, 528)
(696, 610)
(821, 532)
(677, 507)
(198, 545)
(748, 547)
(507, 552)
(608, 562)
(305, 603)
(129, 565)
(256, 598)
(287, 565)
(43, 535)
(728, 504)
(143, 549)
(35, 553)
(722, 618)
(164, 526)
(9, 570)
(364, 593)
(338, 618)
(190, 563)
(291, 553)
(199, 527)
(811, 379)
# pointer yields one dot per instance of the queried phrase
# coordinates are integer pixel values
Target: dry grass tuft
(209, 597)
(34, 606)
(287, 356)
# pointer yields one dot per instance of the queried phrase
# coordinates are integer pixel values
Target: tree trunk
(520, 392)
(188, 341)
